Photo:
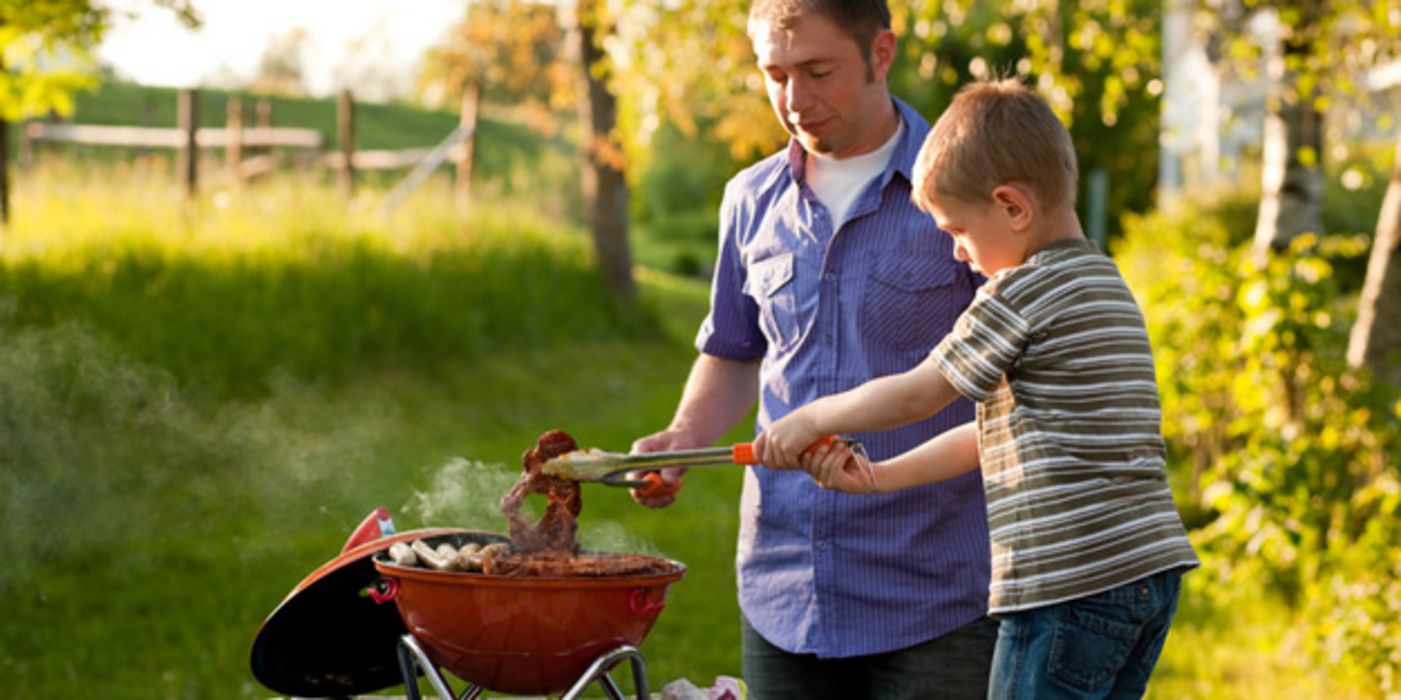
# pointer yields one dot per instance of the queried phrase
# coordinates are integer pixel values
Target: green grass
(286, 278)
(186, 430)
(162, 532)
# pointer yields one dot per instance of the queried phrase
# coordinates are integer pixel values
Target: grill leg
(598, 671)
(412, 658)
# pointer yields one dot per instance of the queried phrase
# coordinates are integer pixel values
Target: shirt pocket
(770, 284)
(912, 302)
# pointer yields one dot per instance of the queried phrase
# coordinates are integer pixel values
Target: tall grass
(287, 278)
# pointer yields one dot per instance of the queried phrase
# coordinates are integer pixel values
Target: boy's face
(984, 234)
(823, 90)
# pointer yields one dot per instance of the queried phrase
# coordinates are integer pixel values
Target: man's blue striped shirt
(820, 572)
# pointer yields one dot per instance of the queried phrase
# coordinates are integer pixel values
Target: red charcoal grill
(335, 634)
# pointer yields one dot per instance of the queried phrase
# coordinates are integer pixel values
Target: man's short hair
(862, 20)
(996, 132)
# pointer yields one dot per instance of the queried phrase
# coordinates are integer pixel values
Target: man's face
(823, 90)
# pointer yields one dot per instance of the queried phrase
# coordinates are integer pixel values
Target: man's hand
(781, 445)
(660, 495)
(841, 469)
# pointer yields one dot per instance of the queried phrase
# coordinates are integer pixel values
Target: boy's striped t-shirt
(1069, 430)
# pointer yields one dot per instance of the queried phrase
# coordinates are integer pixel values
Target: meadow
(198, 404)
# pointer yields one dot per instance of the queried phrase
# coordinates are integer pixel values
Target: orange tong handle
(655, 486)
(744, 451)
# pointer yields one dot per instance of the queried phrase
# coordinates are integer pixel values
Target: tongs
(611, 468)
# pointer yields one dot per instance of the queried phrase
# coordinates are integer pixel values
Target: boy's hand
(840, 469)
(782, 443)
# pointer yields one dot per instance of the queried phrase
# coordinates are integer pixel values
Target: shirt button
(829, 277)
(821, 545)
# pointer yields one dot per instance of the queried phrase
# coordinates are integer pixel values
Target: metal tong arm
(740, 453)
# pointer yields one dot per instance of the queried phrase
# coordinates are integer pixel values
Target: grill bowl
(523, 635)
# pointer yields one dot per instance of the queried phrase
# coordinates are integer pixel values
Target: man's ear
(882, 53)
(1017, 206)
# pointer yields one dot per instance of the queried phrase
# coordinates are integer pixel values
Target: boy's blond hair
(995, 133)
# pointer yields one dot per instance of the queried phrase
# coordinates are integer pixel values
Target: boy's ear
(1016, 205)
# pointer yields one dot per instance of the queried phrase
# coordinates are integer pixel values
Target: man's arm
(880, 404)
(718, 394)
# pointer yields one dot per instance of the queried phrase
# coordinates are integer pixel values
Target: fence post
(187, 117)
(345, 134)
(471, 92)
(233, 148)
(262, 119)
(148, 119)
(26, 145)
(1097, 207)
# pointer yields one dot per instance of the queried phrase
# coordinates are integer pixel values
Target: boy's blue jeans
(1100, 646)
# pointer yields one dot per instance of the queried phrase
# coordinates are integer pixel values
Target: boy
(1087, 546)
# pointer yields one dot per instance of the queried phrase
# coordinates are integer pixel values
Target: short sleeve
(984, 344)
(731, 329)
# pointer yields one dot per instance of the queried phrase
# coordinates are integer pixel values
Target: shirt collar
(902, 161)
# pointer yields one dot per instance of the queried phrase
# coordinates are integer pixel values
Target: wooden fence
(246, 148)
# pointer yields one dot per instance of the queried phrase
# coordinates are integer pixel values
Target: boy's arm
(880, 404)
(949, 454)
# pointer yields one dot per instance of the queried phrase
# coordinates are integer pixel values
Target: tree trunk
(5, 163)
(4, 173)
(1376, 337)
(1291, 196)
(605, 189)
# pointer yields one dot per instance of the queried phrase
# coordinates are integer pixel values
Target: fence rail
(157, 137)
(246, 147)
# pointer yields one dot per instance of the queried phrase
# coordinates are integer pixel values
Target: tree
(1323, 48)
(280, 67)
(1376, 337)
(45, 57)
(605, 165)
(508, 52)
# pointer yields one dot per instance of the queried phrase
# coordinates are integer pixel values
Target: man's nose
(797, 94)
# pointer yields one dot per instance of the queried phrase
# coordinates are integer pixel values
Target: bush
(1288, 457)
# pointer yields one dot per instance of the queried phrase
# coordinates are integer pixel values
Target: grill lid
(327, 638)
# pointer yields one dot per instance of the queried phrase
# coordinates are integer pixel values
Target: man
(828, 276)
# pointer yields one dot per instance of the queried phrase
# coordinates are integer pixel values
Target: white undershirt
(837, 182)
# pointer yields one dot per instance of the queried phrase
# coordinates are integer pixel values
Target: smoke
(610, 536)
(464, 493)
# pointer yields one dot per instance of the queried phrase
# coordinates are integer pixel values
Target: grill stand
(413, 659)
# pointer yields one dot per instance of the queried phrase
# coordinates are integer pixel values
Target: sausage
(430, 557)
(402, 555)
